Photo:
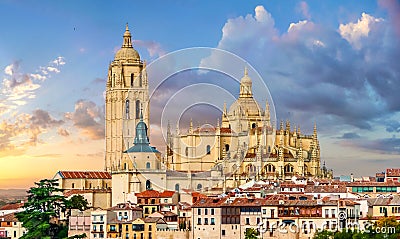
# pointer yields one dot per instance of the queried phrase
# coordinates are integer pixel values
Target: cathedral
(243, 146)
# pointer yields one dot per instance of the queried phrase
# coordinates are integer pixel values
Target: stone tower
(126, 95)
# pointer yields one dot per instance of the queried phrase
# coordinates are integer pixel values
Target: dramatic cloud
(89, 118)
(345, 78)
(17, 87)
(355, 32)
(25, 131)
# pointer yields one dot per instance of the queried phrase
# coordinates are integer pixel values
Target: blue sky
(330, 62)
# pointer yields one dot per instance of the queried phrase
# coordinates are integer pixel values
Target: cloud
(24, 131)
(62, 132)
(99, 81)
(154, 48)
(17, 86)
(89, 118)
(393, 8)
(350, 135)
(355, 32)
(303, 8)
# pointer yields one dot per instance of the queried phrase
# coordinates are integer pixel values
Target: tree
(251, 233)
(323, 234)
(77, 202)
(42, 211)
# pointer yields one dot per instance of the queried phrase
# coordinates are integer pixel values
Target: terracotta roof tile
(9, 218)
(13, 206)
(393, 172)
(85, 174)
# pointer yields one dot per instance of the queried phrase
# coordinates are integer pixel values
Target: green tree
(323, 235)
(251, 233)
(77, 202)
(43, 209)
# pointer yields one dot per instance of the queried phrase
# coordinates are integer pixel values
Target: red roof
(155, 194)
(393, 172)
(167, 194)
(9, 218)
(85, 174)
(13, 206)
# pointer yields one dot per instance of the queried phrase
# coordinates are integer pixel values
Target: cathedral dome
(127, 54)
(245, 106)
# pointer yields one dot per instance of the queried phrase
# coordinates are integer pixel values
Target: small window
(177, 187)
(127, 109)
(137, 109)
(132, 78)
(223, 232)
(73, 185)
(226, 147)
(148, 185)
(199, 186)
(148, 165)
(208, 149)
(254, 125)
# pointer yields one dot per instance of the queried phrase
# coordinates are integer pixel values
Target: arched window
(208, 149)
(148, 165)
(187, 151)
(125, 166)
(226, 147)
(177, 187)
(140, 80)
(269, 149)
(127, 109)
(148, 185)
(113, 80)
(137, 109)
(199, 186)
(132, 78)
(253, 126)
(270, 168)
(288, 168)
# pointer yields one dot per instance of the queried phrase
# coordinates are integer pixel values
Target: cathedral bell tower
(127, 94)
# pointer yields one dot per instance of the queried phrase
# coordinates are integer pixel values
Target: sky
(333, 63)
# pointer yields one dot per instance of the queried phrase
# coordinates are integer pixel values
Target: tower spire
(127, 43)
(246, 85)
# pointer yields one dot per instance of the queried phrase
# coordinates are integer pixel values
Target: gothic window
(137, 109)
(148, 165)
(132, 78)
(199, 186)
(208, 149)
(113, 80)
(177, 187)
(270, 168)
(288, 168)
(127, 109)
(148, 185)
(140, 80)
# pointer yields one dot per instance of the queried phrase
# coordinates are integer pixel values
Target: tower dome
(127, 52)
